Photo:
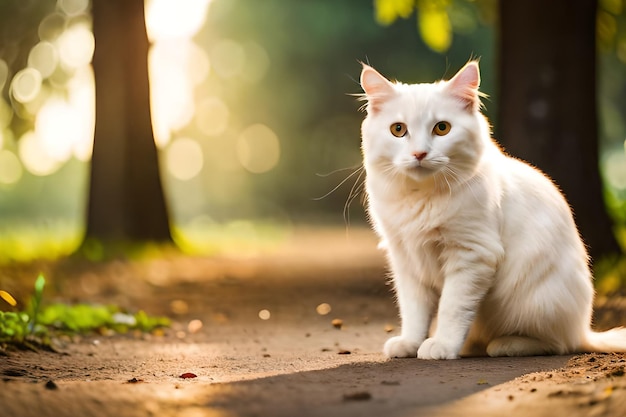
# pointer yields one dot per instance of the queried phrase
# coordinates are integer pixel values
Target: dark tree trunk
(126, 200)
(548, 103)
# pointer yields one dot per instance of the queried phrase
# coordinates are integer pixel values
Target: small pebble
(51, 385)
(390, 383)
(357, 396)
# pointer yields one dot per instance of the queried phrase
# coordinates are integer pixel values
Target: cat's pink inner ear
(377, 88)
(465, 83)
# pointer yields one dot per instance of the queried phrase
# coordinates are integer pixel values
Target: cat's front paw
(400, 347)
(436, 349)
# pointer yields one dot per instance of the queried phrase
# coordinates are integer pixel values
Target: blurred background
(252, 110)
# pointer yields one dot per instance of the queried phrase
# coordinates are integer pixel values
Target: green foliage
(38, 324)
(13, 327)
(433, 20)
(437, 20)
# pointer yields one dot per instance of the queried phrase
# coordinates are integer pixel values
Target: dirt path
(295, 363)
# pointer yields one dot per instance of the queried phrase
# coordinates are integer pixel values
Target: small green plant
(38, 324)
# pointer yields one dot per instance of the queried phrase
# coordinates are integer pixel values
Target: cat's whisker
(356, 189)
(335, 171)
(357, 170)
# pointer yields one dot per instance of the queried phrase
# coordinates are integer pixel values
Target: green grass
(24, 242)
(36, 324)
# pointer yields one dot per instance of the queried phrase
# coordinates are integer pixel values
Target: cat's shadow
(399, 387)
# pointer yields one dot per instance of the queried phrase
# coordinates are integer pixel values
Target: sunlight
(176, 64)
(175, 70)
(167, 19)
(56, 87)
(64, 125)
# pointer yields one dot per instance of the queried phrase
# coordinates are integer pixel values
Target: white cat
(481, 242)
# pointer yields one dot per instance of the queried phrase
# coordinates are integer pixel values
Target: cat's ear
(464, 85)
(377, 88)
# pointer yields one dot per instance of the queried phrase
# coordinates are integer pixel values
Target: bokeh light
(44, 58)
(4, 73)
(258, 149)
(34, 156)
(10, 167)
(51, 26)
(76, 45)
(615, 168)
(257, 62)
(73, 7)
(212, 116)
(56, 129)
(6, 114)
(227, 58)
(26, 85)
(184, 159)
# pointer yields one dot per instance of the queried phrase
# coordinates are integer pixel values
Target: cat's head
(424, 132)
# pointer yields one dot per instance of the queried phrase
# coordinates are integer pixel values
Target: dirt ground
(299, 359)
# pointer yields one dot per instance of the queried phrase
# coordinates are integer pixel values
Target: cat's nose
(420, 155)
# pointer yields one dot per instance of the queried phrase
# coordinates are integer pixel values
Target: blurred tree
(126, 200)
(547, 94)
(548, 113)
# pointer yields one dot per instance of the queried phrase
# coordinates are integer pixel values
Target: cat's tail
(613, 340)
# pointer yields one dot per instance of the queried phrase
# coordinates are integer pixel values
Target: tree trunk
(126, 200)
(548, 103)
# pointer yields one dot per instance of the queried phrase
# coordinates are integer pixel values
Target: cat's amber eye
(442, 128)
(398, 129)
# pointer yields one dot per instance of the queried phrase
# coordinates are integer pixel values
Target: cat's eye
(442, 128)
(398, 129)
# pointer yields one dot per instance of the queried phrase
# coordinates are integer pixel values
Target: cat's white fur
(483, 249)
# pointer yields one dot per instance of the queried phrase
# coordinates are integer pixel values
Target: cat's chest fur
(414, 228)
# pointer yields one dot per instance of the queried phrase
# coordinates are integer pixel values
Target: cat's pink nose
(420, 155)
